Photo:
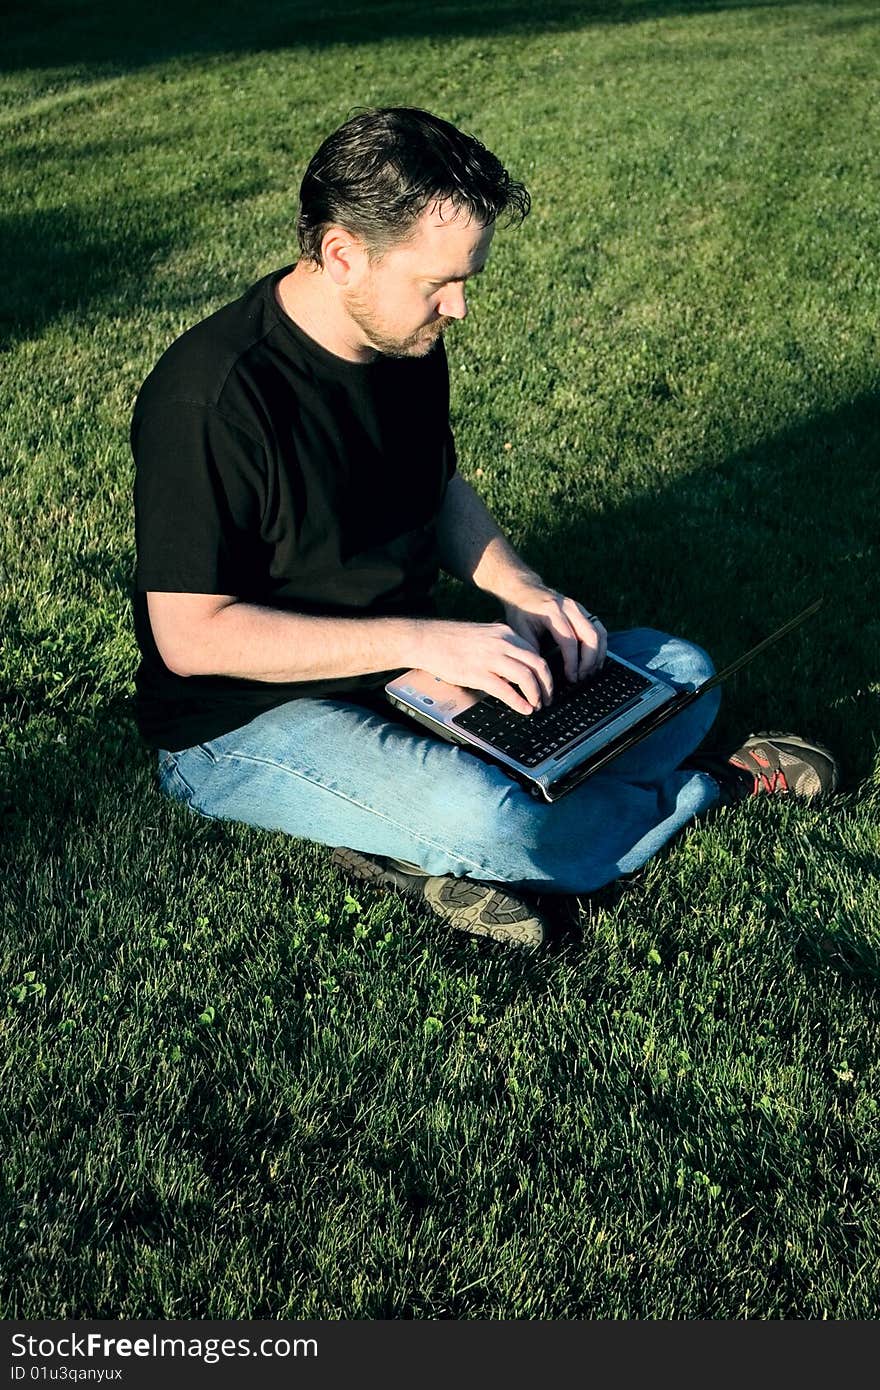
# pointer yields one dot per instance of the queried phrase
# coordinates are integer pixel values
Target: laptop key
(575, 708)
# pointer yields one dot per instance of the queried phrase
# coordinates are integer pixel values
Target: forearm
(252, 642)
(473, 546)
(218, 635)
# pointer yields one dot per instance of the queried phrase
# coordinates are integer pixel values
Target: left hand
(581, 637)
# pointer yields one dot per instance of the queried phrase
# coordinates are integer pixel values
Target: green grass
(233, 1089)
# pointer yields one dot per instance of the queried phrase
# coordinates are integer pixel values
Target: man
(297, 493)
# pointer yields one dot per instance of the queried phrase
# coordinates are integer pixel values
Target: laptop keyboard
(530, 738)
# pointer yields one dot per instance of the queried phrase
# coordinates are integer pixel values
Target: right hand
(490, 657)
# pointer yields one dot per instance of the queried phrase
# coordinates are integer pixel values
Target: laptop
(583, 729)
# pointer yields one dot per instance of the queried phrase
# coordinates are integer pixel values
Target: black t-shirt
(271, 469)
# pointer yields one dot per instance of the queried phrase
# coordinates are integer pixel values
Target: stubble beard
(417, 344)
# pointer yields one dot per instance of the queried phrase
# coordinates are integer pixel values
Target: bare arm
(216, 634)
(211, 634)
(473, 548)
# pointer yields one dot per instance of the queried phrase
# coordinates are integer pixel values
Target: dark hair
(378, 172)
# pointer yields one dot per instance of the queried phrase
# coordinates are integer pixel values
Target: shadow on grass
(84, 785)
(789, 518)
(759, 536)
(72, 260)
(776, 525)
(106, 38)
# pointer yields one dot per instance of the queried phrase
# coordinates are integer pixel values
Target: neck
(309, 299)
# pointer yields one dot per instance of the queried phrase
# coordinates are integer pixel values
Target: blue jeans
(338, 773)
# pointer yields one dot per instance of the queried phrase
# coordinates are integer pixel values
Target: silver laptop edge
(437, 703)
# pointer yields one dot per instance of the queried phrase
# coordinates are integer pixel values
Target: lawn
(231, 1087)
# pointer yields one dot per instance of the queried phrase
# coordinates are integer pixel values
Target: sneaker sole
(371, 871)
(469, 906)
(481, 910)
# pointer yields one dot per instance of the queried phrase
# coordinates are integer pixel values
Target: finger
(507, 694)
(589, 647)
(589, 657)
(524, 675)
(567, 642)
(538, 667)
(578, 640)
(593, 639)
(591, 654)
(523, 636)
(579, 617)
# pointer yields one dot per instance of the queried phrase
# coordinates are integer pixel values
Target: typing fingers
(531, 674)
(581, 639)
(602, 635)
(592, 640)
(507, 694)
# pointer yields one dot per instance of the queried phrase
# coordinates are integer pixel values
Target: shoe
(483, 909)
(772, 762)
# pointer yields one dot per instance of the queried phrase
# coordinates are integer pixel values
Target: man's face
(402, 302)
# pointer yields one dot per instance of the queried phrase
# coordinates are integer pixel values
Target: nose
(454, 304)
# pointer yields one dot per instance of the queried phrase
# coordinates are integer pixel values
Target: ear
(343, 255)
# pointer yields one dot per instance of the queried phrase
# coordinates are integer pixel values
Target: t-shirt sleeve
(199, 489)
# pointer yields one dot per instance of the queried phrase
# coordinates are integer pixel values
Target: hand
(580, 636)
(486, 656)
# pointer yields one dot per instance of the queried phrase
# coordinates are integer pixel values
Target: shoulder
(205, 366)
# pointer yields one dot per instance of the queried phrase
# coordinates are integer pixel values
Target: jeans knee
(681, 661)
(685, 663)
